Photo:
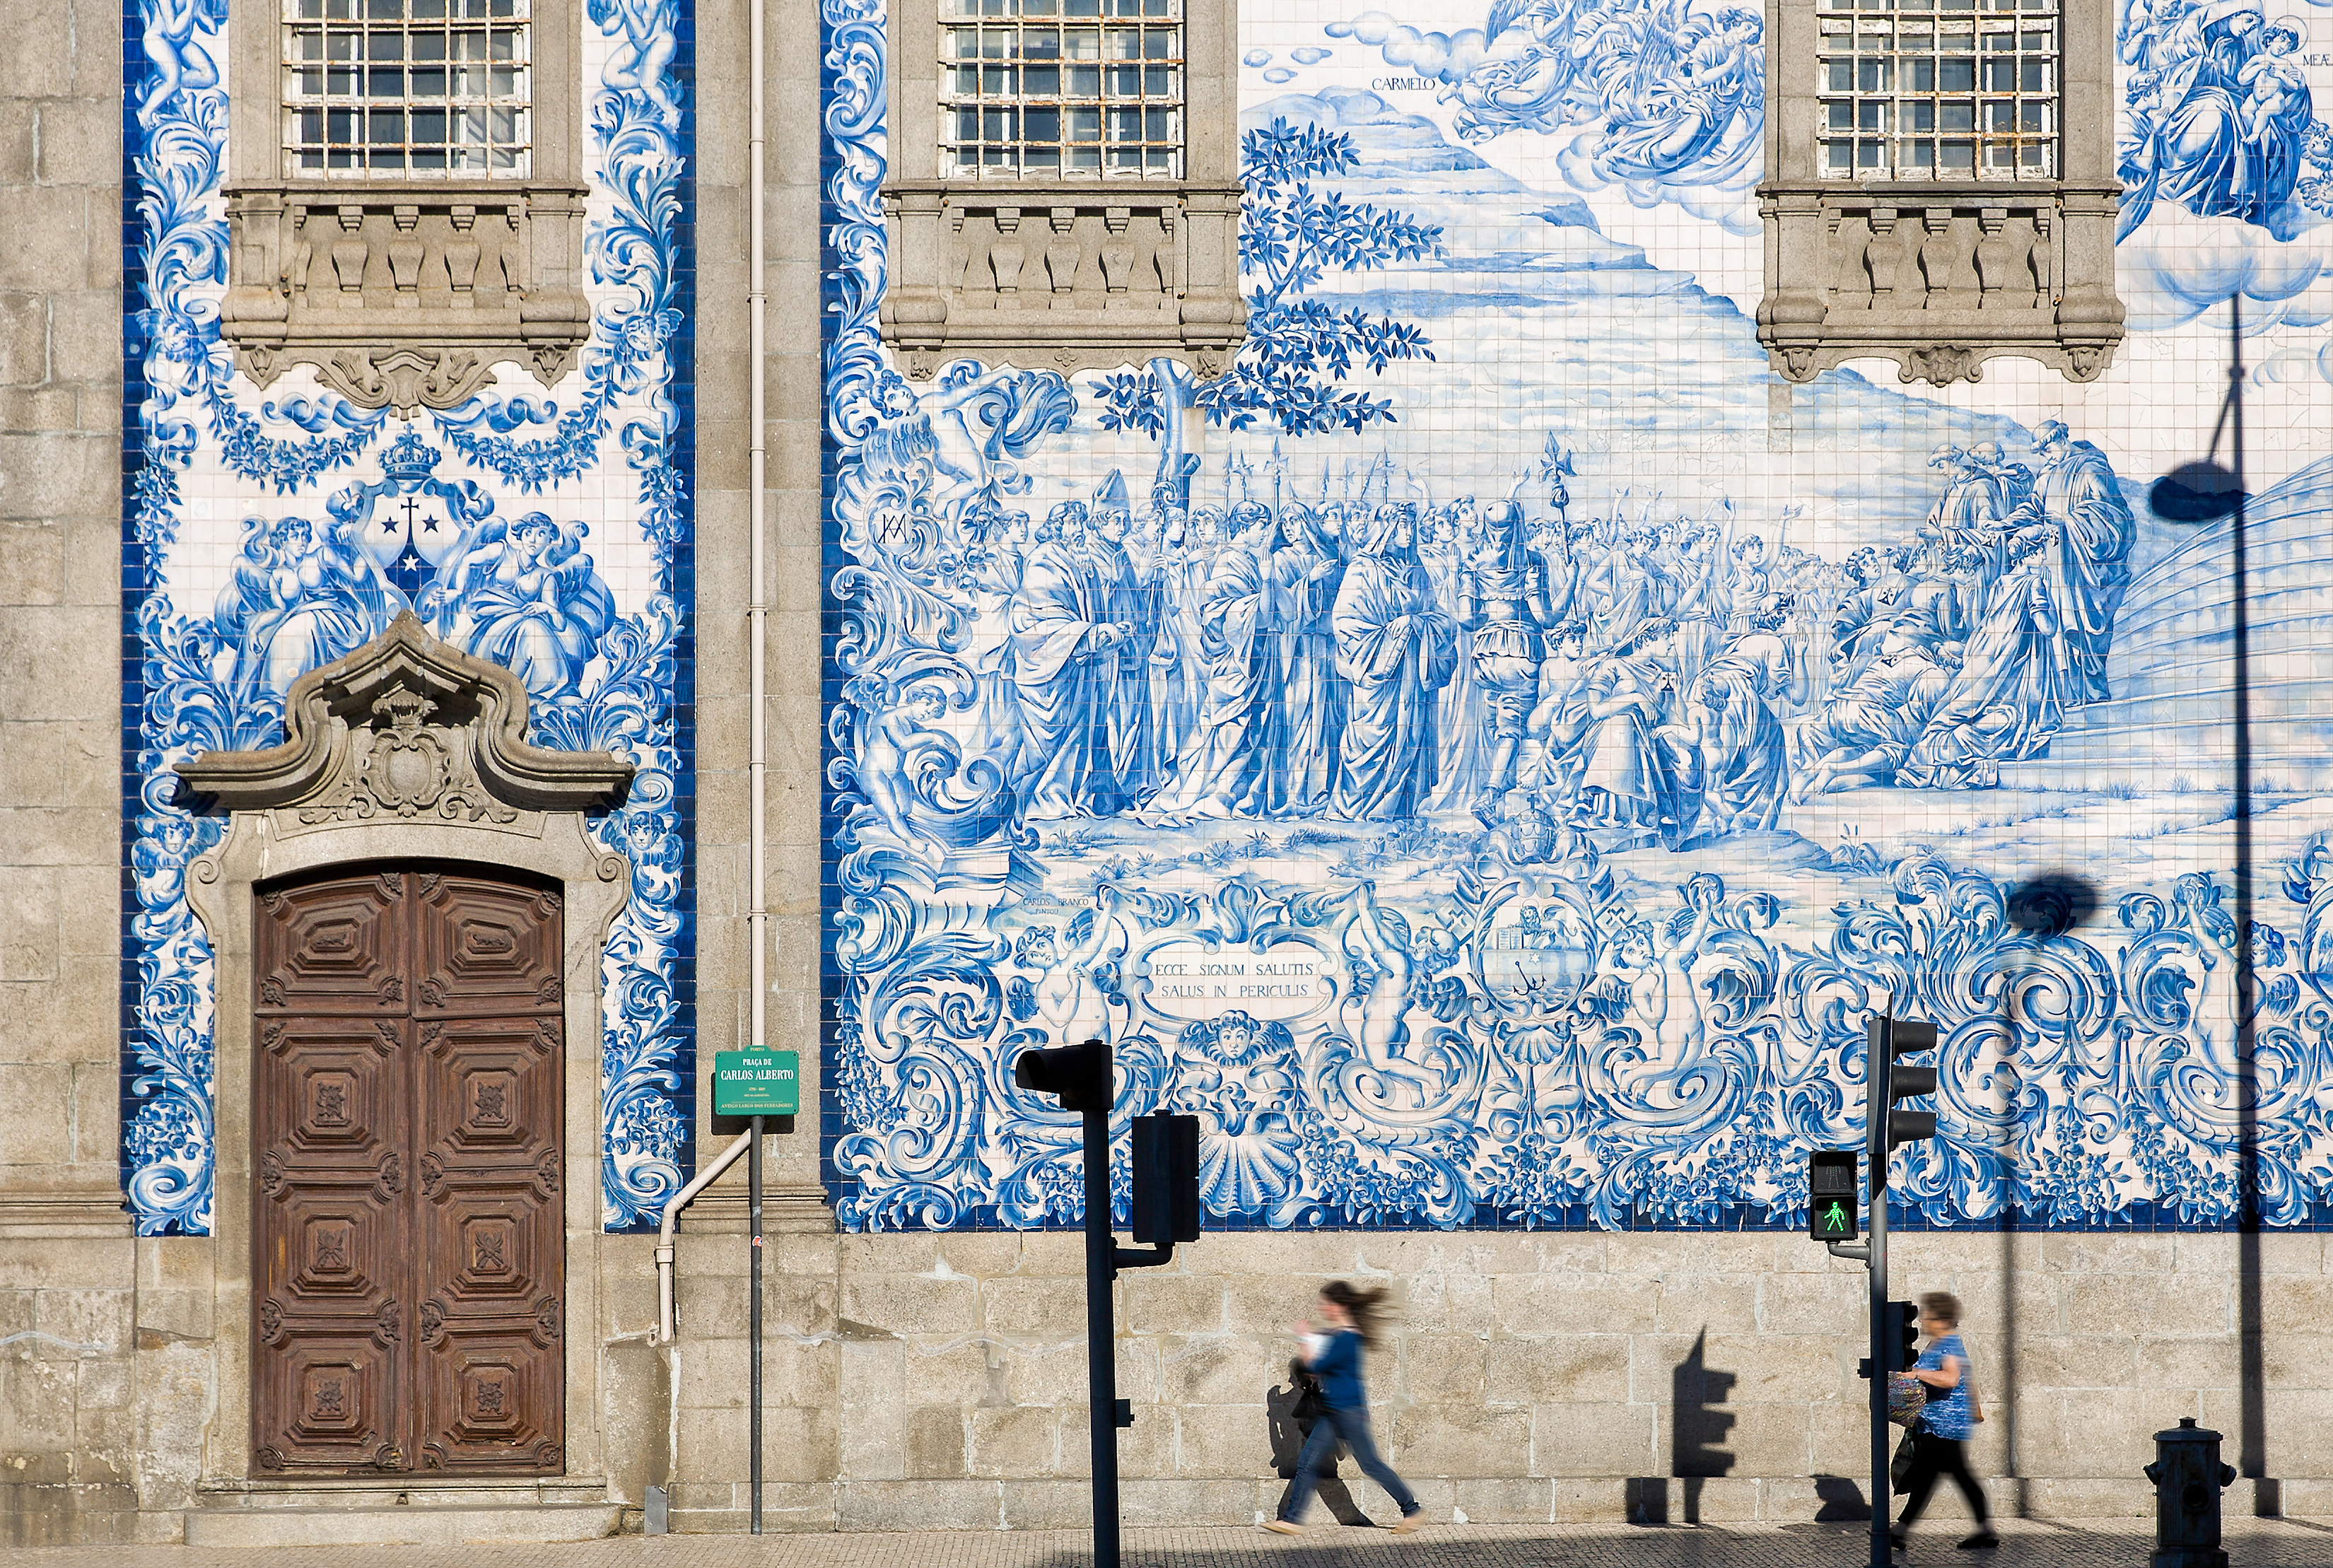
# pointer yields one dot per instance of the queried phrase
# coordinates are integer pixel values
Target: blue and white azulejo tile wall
(270, 532)
(1490, 774)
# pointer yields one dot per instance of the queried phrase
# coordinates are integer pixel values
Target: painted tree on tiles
(1299, 350)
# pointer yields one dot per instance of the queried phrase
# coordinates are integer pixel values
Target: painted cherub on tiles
(522, 594)
(295, 600)
(899, 744)
(1391, 962)
(968, 433)
(180, 63)
(1070, 990)
(1239, 1075)
(641, 60)
(1708, 972)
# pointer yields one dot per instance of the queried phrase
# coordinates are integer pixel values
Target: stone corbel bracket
(408, 727)
(1063, 277)
(406, 296)
(1939, 278)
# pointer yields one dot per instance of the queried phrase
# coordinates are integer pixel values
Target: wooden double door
(408, 1087)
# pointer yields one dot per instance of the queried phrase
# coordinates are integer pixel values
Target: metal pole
(753, 1321)
(1878, 1058)
(1101, 1360)
(2252, 1442)
(1881, 1495)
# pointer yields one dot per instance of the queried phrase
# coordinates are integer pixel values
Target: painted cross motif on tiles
(269, 534)
(1488, 753)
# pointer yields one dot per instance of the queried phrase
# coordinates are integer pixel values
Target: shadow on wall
(1841, 1500)
(1288, 1431)
(1697, 1425)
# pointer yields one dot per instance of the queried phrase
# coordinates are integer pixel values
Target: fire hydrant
(2187, 1475)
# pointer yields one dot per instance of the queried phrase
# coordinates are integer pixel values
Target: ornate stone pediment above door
(407, 729)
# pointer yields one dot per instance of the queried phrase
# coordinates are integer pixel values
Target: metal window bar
(1033, 88)
(394, 88)
(1939, 90)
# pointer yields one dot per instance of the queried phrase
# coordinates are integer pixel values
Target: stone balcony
(1063, 277)
(406, 296)
(1938, 277)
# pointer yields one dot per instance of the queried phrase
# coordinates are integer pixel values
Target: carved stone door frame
(405, 750)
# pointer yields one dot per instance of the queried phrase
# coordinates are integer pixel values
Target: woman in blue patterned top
(1347, 1323)
(1940, 1433)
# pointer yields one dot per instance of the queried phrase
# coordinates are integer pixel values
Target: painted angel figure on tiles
(523, 595)
(2218, 116)
(641, 61)
(179, 62)
(1392, 961)
(1073, 987)
(295, 600)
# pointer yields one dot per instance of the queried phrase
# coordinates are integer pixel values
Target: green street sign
(756, 1082)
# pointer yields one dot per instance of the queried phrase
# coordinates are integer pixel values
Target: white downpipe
(680, 1200)
(757, 515)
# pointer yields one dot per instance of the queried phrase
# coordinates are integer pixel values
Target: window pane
(1122, 85)
(361, 50)
(1912, 66)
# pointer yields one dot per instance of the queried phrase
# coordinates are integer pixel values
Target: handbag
(1308, 1405)
(1906, 1395)
(1899, 1468)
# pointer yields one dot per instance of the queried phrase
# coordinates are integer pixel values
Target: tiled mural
(1487, 754)
(267, 533)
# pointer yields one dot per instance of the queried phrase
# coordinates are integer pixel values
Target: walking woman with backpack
(1348, 1325)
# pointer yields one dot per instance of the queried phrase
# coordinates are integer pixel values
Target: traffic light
(1900, 1333)
(1830, 1195)
(1903, 1336)
(1079, 1074)
(1165, 1179)
(1885, 1126)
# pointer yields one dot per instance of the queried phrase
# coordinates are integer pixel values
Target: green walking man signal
(1830, 1195)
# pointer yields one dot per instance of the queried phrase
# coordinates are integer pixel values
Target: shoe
(1982, 1541)
(1410, 1522)
(1899, 1541)
(1283, 1527)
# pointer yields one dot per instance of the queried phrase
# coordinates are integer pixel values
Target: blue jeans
(1352, 1429)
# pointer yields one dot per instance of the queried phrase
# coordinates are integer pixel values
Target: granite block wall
(70, 1417)
(928, 1381)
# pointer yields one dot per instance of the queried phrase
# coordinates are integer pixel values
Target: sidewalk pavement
(2251, 1543)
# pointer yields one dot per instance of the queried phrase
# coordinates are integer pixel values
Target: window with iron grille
(1036, 88)
(1940, 187)
(1940, 89)
(407, 202)
(397, 88)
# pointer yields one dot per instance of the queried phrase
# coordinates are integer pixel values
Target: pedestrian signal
(1830, 1195)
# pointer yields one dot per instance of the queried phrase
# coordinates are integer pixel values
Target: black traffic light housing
(1886, 1127)
(1165, 1179)
(1831, 1212)
(1079, 1075)
(1903, 1336)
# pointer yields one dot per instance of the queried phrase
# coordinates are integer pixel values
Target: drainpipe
(659, 1498)
(757, 514)
(680, 1200)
